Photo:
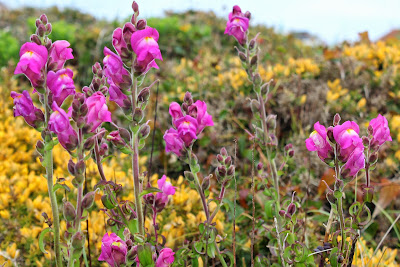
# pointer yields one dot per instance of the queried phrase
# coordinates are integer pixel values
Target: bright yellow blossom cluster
(365, 256)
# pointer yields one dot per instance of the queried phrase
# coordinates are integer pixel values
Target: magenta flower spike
(23, 106)
(166, 258)
(33, 58)
(237, 25)
(97, 110)
(59, 53)
(114, 68)
(118, 40)
(199, 111)
(380, 130)
(172, 142)
(187, 129)
(61, 85)
(113, 250)
(144, 44)
(59, 124)
(318, 142)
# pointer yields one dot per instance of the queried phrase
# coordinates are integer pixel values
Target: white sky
(333, 21)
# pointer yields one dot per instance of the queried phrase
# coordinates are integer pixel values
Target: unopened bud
(257, 79)
(36, 39)
(71, 167)
(231, 170)
(373, 158)
(291, 153)
(89, 144)
(255, 106)
(228, 161)
(242, 56)
(144, 95)
(247, 15)
(49, 28)
(220, 158)
(43, 19)
(254, 60)
(252, 44)
(188, 98)
(144, 131)
(291, 209)
(260, 166)
(365, 141)
(282, 213)
(206, 183)
(141, 24)
(288, 147)
(223, 152)
(336, 119)
(189, 176)
(38, 22)
(370, 130)
(221, 171)
(78, 240)
(124, 133)
(69, 211)
(271, 122)
(80, 167)
(329, 133)
(40, 30)
(88, 200)
(138, 115)
(135, 7)
(40, 147)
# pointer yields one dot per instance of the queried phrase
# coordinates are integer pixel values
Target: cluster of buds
(99, 82)
(189, 120)
(225, 169)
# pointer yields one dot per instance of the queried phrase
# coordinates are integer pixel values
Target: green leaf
(145, 256)
(41, 239)
(133, 226)
(106, 158)
(211, 250)
(61, 186)
(150, 190)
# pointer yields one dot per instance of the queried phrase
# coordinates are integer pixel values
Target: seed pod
(257, 79)
(206, 183)
(138, 115)
(89, 144)
(242, 56)
(144, 131)
(189, 176)
(144, 95)
(254, 60)
(69, 211)
(80, 167)
(78, 240)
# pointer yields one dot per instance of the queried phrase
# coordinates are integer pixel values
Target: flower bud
(80, 167)
(220, 158)
(144, 95)
(138, 115)
(71, 167)
(329, 133)
(205, 183)
(254, 60)
(231, 170)
(271, 122)
(228, 161)
(288, 147)
(252, 44)
(370, 130)
(124, 133)
(36, 39)
(336, 119)
(257, 79)
(141, 24)
(247, 15)
(291, 209)
(189, 176)
(103, 149)
(255, 106)
(221, 171)
(41, 30)
(373, 158)
(291, 153)
(365, 141)
(135, 7)
(188, 98)
(260, 166)
(242, 56)
(223, 152)
(282, 213)
(49, 28)
(43, 19)
(78, 240)
(40, 147)
(144, 131)
(38, 22)
(107, 202)
(69, 211)
(89, 144)
(88, 200)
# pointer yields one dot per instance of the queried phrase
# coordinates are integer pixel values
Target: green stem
(341, 221)
(48, 161)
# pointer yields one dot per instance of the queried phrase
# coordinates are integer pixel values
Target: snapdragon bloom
(380, 130)
(59, 124)
(33, 58)
(144, 44)
(198, 110)
(113, 250)
(114, 68)
(166, 258)
(346, 136)
(23, 106)
(175, 111)
(355, 161)
(237, 25)
(61, 85)
(118, 41)
(187, 129)
(318, 142)
(60, 52)
(172, 142)
(160, 200)
(97, 110)
(116, 95)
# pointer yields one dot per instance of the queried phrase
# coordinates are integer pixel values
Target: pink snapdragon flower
(116, 95)
(23, 106)
(198, 110)
(144, 44)
(33, 58)
(318, 142)
(97, 110)
(59, 124)
(187, 129)
(165, 258)
(61, 85)
(114, 68)
(237, 25)
(118, 41)
(60, 52)
(172, 142)
(113, 250)
(160, 200)
(346, 136)
(355, 161)
(380, 130)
